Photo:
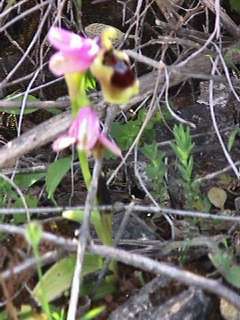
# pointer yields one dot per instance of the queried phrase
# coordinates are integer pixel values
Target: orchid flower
(75, 53)
(86, 133)
(112, 69)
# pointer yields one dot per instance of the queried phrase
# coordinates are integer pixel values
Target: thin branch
(31, 263)
(216, 173)
(156, 267)
(67, 244)
(120, 206)
(214, 121)
(228, 23)
(30, 46)
(173, 114)
(141, 262)
(19, 192)
(9, 9)
(206, 43)
(44, 85)
(36, 137)
(24, 14)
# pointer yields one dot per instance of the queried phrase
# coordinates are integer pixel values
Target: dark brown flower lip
(123, 80)
(123, 76)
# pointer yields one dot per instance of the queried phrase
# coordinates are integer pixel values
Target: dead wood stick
(10, 104)
(228, 23)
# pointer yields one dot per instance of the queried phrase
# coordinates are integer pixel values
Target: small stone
(228, 311)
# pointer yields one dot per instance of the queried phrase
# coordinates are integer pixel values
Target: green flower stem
(79, 98)
(83, 159)
(106, 221)
(44, 302)
(102, 222)
(76, 89)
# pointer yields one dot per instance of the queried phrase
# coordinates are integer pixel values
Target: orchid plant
(75, 56)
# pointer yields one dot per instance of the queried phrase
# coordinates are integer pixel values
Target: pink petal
(85, 128)
(63, 142)
(110, 145)
(91, 125)
(72, 44)
(64, 40)
(60, 64)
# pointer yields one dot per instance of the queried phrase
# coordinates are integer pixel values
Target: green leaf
(92, 314)
(90, 81)
(73, 215)
(124, 134)
(56, 171)
(156, 168)
(34, 234)
(77, 216)
(152, 172)
(30, 98)
(235, 5)
(59, 277)
(26, 180)
(150, 150)
(225, 264)
(32, 202)
(190, 165)
(54, 111)
(232, 138)
(28, 313)
(96, 220)
(107, 286)
(3, 315)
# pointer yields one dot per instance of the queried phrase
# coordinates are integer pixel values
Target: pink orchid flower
(85, 131)
(74, 54)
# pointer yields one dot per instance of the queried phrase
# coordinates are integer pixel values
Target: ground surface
(159, 30)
